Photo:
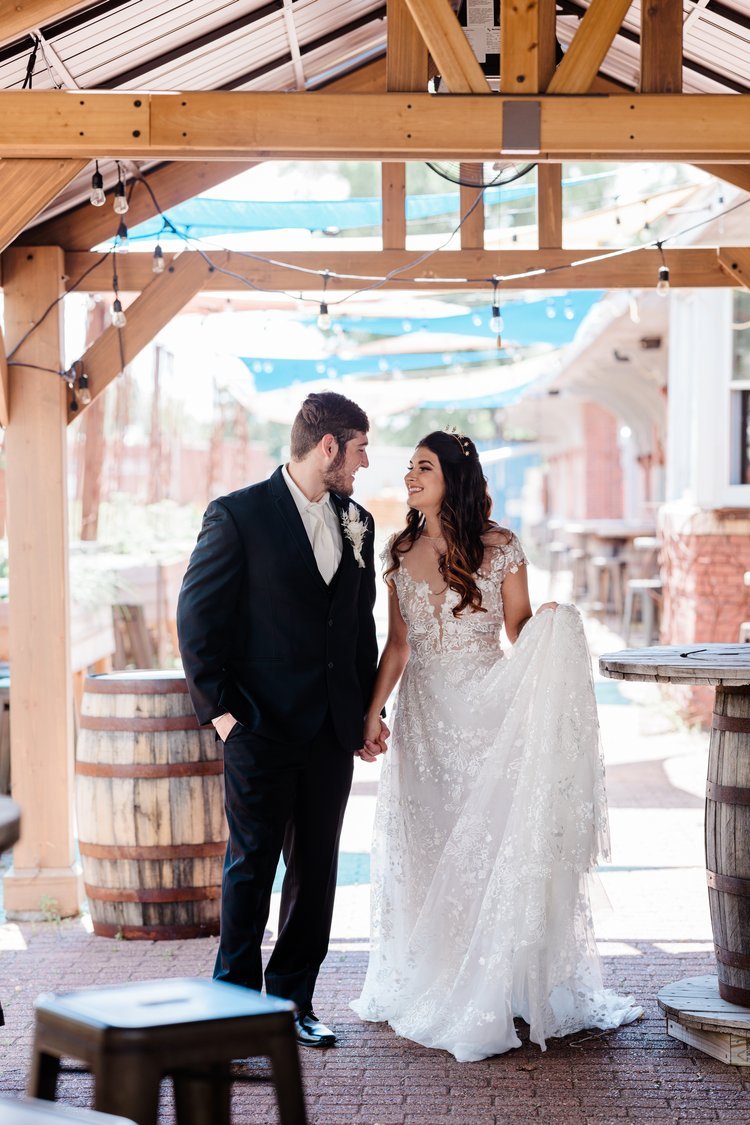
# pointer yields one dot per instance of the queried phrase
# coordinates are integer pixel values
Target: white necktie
(322, 541)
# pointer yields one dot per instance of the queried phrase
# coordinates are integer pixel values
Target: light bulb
(569, 312)
(324, 320)
(549, 311)
(120, 202)
(496, 321)
(122, 234)
(83, 394)
(97, 197)
(662, 285)
(157, 262)
(119, 320)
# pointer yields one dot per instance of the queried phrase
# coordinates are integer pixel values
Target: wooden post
(44, 878)
(393, 188)
(661, 47)
(94, 446)
(472, 229)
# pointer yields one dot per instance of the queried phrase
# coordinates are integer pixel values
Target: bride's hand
(547, 605)
(375, 735)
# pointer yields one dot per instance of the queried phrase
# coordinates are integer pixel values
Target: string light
(123, 245)
(120, 202)
(119, 320)
(97, 197)
(83, 392)
(662, 284)
(496, 320)
(157, 262)
(324, 318)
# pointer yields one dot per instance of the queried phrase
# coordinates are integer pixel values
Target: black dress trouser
(291, 798)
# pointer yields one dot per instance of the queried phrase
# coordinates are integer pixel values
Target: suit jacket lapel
(340, 505)
(291, 517)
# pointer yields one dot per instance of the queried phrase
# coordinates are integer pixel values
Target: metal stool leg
(125, 1086)
(627, 616)
(648, 617)
(284, 1056)
(43, 1077)
(203, 1099)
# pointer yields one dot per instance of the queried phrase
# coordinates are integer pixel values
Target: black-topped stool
(132, 1035)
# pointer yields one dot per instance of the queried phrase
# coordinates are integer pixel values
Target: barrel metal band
(732, 884)
(156, 933)
(739, 996)
(730, 723)
(139, 723)
(727, 794)
(151, 770)
(153, 851)
(730, 957)
(151, 894)
(102, 685)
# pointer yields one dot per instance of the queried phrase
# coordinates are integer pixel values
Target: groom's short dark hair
(322, 413)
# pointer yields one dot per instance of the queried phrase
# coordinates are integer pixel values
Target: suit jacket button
(330, 664)
(330, 622)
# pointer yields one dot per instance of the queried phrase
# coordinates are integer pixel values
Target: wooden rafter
(690, 267)
(589, 46)
(162, 299)
(26, 187)
(661, 46)
(406, 57)
(21, 16)
(737, 174)
(549, 206)
(448, 45)
(367, 79)
(527, 45)
(701, 128)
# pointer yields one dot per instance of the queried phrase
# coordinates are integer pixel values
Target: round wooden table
(727, 668)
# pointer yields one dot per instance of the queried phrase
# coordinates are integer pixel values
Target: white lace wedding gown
(491, 810)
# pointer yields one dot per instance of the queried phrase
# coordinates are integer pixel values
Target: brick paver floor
(653, 928)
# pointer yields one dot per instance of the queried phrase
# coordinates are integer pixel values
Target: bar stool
(607, 571)
(34, 1111)
(132, 1035)
(646, 592)
(556, 553)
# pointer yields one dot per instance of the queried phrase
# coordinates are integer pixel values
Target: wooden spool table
(713, 1013)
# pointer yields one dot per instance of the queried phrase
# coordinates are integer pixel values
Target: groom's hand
(224, 725)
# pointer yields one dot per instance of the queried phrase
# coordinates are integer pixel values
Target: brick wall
(586, 481)
(703, 560)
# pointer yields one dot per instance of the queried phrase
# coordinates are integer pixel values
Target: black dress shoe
(311, 1032)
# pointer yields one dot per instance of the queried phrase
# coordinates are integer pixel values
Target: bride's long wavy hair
(464, 518)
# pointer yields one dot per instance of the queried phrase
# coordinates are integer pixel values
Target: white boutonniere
(355, 529)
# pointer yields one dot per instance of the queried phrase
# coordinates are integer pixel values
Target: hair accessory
(462, 440)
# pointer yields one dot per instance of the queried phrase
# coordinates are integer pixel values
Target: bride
(491, 807)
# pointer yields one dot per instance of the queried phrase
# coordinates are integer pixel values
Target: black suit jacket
(262, 635)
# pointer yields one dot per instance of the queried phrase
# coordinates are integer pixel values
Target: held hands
(375, 738)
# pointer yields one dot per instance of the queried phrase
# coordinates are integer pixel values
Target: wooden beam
(690, 267)
(456, 62)
(589, 46)
(472, 228)
(549, 210)
(737, 174)
(368, 79)
(86, 226)
(736, 264)
(393, 187)
(21, 16)
(4, 395)
(527, 45)
(26, 187)
(406, 56)
(661, 46)
(699, 128)
(44, 864)
(161, 300)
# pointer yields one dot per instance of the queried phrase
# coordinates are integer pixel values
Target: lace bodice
(426, 603)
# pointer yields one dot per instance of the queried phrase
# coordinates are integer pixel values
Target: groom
(277, 639)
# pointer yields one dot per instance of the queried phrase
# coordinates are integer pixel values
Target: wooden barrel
(728, 841)
(150, 800)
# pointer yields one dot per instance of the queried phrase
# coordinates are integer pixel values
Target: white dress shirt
(321, 522)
